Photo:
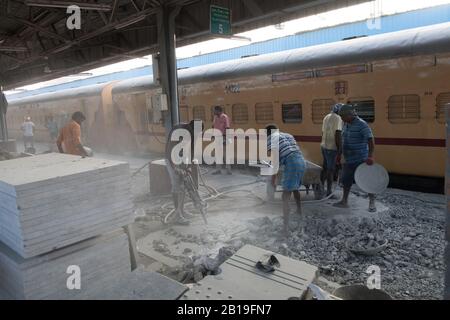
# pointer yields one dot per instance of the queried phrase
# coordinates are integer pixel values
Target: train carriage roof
(427, 40)
(81, 92)
(419, 41)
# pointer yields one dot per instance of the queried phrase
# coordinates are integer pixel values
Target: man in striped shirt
(358, 147)
(293, 163)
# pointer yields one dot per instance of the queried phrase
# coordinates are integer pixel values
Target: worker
(222, 123)
(177, 172)
(69, 139)
(293, 164)
(28, 133)
(358, 147)
(331, 145)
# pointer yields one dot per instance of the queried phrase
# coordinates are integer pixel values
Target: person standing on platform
(331, 145)
(28, 133)
(358, 146)
(222, 123)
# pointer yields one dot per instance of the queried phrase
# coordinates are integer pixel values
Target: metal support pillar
(447, 233)
(5, 143)
(168, 62)
(3, 125)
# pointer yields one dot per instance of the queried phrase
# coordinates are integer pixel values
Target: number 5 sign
(220, 21)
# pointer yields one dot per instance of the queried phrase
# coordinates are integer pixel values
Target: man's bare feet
(181, 221)
(341, 204)
(187, 215)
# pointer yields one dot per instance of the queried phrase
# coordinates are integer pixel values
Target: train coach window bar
(199, 113)
(264, 112)
(320, 108)
(404, 109)
(441, 101)
(365, 107)
(240, 113)
(143, 117)
(292, 112)
(184, 114)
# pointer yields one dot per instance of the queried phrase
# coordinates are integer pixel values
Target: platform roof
(36, 45)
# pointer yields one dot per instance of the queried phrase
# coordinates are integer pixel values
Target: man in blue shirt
(293, 163)
(358, 147)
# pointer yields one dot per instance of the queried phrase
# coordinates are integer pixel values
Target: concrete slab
(101, 260)
(241, 280)
(142, 285)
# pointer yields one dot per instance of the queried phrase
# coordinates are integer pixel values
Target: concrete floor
(231, 218)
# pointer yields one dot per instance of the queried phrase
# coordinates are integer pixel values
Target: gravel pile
(411, 264)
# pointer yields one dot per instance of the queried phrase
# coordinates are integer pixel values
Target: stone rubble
(411, 265)
(406, 242)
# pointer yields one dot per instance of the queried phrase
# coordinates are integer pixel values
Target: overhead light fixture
(240, 38)
(279, 26)
(66, 4)
(129, 22)
(81, 74)
(13, 49)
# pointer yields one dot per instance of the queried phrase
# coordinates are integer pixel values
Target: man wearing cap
(69, 139)
(358, 147)
(331, 144)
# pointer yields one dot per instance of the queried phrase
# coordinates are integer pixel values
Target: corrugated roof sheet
(408, 20)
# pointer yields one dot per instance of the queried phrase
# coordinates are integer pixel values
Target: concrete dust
(412, 224)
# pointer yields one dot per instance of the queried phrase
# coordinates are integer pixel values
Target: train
(400, 83)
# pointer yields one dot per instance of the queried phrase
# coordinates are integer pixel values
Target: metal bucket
(358, 292)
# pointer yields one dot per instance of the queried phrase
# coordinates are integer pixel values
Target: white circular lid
(372, 179)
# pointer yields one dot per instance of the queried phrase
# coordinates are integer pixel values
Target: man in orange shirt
(69, 139)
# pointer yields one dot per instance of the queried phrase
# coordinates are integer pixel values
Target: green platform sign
(220, 21)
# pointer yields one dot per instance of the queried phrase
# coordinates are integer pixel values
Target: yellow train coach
(399, 81)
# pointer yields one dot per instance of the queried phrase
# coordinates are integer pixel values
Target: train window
(442, 100)
(292, 112)
(184, 114)
(404, 109)
(320, 108)
(365, 107)
(144, 121)
(150, 116)
(264, 112)
(199, 113)
(240, 113)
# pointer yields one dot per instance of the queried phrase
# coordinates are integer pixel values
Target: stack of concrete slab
(240, 279)
(98, 262)
(54, 200)
(57, 212)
